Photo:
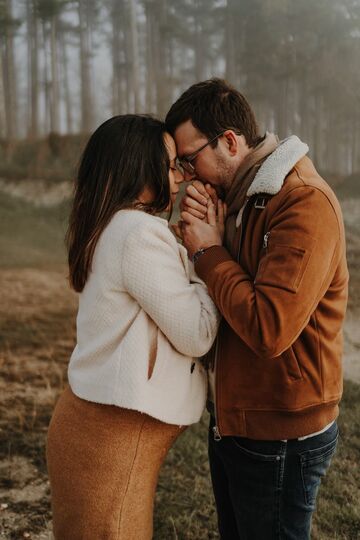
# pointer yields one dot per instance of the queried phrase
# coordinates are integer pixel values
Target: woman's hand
(203, 233)
(196, 199)
(202, 202)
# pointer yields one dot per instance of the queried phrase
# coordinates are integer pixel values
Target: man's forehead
(187, 138)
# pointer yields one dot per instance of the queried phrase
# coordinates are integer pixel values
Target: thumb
(176, 228)
(212, 192)
(211, 215)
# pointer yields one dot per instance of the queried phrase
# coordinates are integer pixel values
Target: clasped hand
(203, 214)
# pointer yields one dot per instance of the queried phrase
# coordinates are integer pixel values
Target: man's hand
(198, 200)
(197, 234)
(197, 197)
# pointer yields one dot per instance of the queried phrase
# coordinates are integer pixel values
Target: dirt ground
(38, 328)
(351, 213)
(37, 322)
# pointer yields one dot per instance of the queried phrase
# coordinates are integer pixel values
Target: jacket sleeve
(297, 263)
(155, 274)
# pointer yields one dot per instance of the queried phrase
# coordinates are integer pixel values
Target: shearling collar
(272, 174)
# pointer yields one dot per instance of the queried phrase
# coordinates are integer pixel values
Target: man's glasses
(186, 162)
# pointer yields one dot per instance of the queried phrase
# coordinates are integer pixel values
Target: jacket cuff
(213, 256)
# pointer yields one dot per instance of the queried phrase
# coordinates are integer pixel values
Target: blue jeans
(266, 490)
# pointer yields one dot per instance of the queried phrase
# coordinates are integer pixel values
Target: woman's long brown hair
(123, 156)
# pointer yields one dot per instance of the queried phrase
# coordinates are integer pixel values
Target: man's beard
(226, 176)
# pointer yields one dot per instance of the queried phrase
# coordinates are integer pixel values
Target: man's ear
(231, 141)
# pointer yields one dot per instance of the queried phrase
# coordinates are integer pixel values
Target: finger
(195, 194)
(220, 212)
(225, 210)
(188, 218)
(177, 230)
(191, 203)
(211, 215)
(200, 187)
(211, 191)
(198, 211)
(195, 213)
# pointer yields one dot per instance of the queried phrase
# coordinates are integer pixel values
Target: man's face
(211, 164)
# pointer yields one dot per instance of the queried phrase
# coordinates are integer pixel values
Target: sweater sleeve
(154, 274)
(301, 251)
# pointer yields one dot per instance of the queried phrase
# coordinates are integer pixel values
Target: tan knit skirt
(103, 464)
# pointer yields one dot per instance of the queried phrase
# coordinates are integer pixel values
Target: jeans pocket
(314, 464)
(252, 454)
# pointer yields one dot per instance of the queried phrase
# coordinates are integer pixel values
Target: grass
(54, 158)
(31, 236)
(37, 334)
(185, 502)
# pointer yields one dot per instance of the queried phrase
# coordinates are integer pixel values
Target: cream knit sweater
(143, 302)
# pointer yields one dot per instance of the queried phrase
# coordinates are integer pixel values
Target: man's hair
(214, 106)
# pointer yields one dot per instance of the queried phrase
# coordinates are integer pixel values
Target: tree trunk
(66, 86)
(2, 101)
(199, 42)
(229, 43)
(117, 15)
(85, 74)
(55, 101)
(33, 90)
(134, 56)
(10, 86)
(150, 82)
(161, 65)
(46, 80)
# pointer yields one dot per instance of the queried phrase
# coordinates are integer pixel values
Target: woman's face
(175, 176)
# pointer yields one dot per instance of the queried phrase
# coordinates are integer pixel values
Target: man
(280, 281)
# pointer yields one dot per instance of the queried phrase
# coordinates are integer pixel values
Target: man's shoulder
(304, 176)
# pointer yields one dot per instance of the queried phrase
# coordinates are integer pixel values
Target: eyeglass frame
(185, 162)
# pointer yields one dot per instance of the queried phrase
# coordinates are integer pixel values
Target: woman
(143, 318)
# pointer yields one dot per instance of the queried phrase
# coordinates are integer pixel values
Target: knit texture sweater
(143, 305)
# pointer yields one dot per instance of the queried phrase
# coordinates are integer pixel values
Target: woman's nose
(179, 177)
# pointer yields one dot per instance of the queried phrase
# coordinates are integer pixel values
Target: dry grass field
(37, 332)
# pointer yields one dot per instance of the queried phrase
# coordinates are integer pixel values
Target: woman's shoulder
(130, 220)
(130, 228)
(128, 225)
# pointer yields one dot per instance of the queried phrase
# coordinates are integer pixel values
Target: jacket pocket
(291, 364)
(283, 264)
(153, 349)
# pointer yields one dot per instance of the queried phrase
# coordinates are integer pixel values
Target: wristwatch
(198, 254)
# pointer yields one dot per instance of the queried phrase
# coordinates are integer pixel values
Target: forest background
(66, 66)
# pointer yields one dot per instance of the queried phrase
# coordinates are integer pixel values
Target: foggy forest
(67, 65)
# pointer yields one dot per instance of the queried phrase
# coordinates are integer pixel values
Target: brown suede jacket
(278, 363)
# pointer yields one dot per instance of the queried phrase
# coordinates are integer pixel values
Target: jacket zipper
(266, 240)
(216, 431)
